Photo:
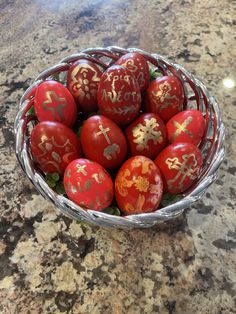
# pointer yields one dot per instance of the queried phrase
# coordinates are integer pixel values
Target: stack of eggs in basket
(116, 137)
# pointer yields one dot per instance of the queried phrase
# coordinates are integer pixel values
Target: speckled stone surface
(49, 264)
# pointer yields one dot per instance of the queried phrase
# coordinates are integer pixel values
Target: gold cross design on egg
(61, 103)
(81, 169)
(112, 149)
(182, 127)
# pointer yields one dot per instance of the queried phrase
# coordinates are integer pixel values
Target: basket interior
(196, 97)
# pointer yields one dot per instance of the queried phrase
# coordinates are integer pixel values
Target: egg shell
(146, 135)
(103, 141)
(180, 165)
(186, 126)
(165, 97)
(119, 96)
(53, 146)
(88, 184)
(138, 186)
(137, 64)
(54, 102)
(83, 78)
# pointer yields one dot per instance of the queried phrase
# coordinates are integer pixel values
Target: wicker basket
(196, 96)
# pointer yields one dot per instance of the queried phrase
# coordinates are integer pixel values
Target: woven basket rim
(70, 209)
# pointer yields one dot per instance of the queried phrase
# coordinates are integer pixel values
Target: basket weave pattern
(196, 96)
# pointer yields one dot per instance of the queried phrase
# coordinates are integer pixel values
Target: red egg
(180, 165)
(53, 102)
(145, 106)
(88, 184)
(146, 135)
(53, 146)
(103, 141)
(186, 126)
(138, 186)
(83, 78)
(165, 97)
(138, 65)
(119, 96)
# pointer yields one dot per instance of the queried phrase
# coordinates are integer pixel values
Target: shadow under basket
(196, 97)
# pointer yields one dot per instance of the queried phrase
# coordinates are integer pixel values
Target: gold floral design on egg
(138, 206)
(147, 165)
(141, 184)
(123, 183)
(144, 133)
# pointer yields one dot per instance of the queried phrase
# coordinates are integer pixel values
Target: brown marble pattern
(50, 264)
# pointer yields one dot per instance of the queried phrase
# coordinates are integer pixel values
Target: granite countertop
(50, 264)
